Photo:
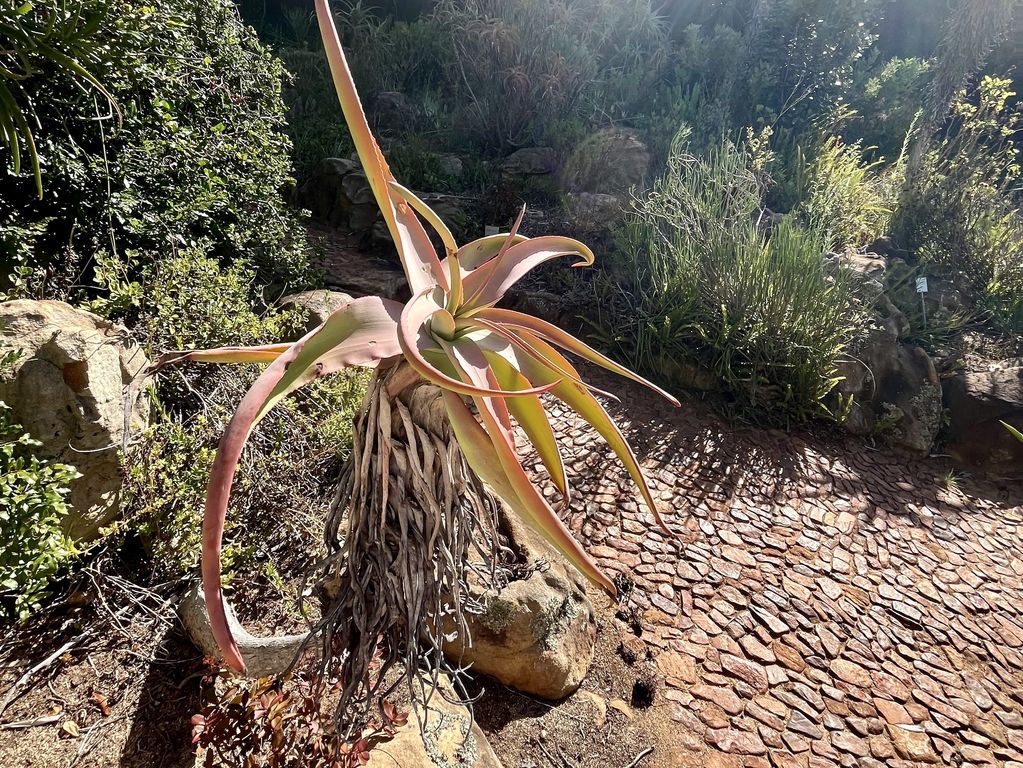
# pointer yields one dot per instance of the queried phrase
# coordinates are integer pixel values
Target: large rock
(609, 161)
(315, 306)
(338, 193)
(323, 194)
(450, 738)
(537, 634)
(393, 111)
(530, 161)
(895, 391)
(977, 403)
(68, 392)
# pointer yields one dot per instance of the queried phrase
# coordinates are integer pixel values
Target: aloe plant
(450, 335)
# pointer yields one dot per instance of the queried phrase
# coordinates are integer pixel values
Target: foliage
(284, 724)
(961, 216)
(188, 299)
(698, 283)
(800, 59)
(888, 106)
(33, 545)
(198, 155)
(515, 67)
(55, 39)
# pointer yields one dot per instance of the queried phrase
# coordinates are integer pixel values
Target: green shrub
(512, 68)
(889, 104)
(33, 545)
(960, 214)
(698, 285)
(198, 154)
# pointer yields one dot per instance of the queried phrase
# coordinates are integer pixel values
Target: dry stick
(48, 720)
(639, 757)
(13, 693)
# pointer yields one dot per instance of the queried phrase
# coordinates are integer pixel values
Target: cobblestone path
(824, 604)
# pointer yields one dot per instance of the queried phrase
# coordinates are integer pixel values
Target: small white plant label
(489, 230)
(921, 285)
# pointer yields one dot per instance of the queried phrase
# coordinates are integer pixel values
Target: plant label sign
(488, 230)
(921, 285)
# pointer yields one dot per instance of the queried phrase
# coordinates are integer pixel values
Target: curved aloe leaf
(532, 417)
(488, 286)
(567, 341)
(477, 253)
(528, 503)
(450, 246)
(580, 400)
(362, 332)
(422, 267)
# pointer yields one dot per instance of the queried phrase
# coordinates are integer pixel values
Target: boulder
(323, 194)
(977, 403)
(592, 211)
(315, 306)
(67, 391)
(609, 161)
(895, 393)
(339, 194)
(450, 165)
(530, 161)
(392, 111)
(537, 634)
(450, 738)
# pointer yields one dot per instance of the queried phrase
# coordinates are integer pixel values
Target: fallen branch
(48, 720)
(639, 757)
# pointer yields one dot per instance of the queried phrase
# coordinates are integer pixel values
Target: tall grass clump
(701, 286)
(847, 198)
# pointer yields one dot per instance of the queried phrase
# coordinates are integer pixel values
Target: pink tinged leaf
(473, 255)
(340, 341)
(487, 270)
(415, 341)
(361, 333)
(501, 338)
(487, 286)
(532, 417)
(266, 353)
(580, 400)
(422, 267)
(435, 221)
(566, 341)
(527, 501)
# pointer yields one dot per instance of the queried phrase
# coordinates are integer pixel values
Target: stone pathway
(823, 604)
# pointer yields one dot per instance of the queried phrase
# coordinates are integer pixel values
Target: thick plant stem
(410, 525)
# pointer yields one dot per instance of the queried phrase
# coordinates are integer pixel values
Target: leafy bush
(198, 154)
(960, 214)
(36, 38)
(889, 104)
(699, 286)
(33, 545)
